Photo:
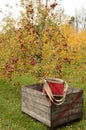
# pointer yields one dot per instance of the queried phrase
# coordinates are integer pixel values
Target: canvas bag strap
(50, 94)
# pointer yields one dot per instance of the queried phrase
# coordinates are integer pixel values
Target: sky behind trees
(69, 6)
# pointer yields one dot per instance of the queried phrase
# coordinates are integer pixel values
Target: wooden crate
(38, 106)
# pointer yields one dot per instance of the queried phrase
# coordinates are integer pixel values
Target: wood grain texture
(38, 106)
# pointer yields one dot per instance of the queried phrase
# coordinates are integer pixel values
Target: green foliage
(39, 44)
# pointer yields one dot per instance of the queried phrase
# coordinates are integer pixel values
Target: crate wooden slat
(38, 106)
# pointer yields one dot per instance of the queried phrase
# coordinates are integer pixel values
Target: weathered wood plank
(40, 107)
(37, 116)
(38, 99)
(37, 111)
(56, 109)
(68, 113)
(75, 116)
(37, 96)
(36, 105)
(68, 119)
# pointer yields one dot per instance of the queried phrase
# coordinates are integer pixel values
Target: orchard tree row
(39, 43)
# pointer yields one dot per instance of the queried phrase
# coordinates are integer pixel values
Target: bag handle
(50, 94)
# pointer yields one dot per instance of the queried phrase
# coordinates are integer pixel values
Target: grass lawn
(11, 117)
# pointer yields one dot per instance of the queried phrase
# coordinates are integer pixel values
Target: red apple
(32, 61)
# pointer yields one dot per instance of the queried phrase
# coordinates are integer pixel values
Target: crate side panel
(38, 96)
(73, 113)
(35, 104)
(36, 116)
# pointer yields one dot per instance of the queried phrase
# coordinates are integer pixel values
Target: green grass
(11, 117)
